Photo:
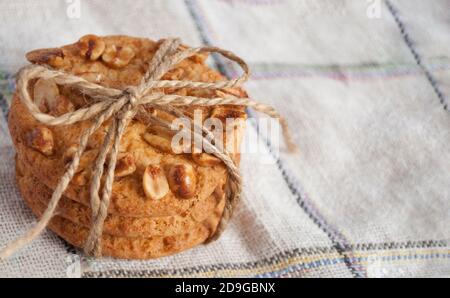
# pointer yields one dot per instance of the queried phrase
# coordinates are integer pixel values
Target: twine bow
(123, 105)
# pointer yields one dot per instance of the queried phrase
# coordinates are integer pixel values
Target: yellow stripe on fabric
(323, 257)
(365, 258)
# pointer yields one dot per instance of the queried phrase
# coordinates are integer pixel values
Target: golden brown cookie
(116, 225)
(117, 61)
(125, 247)
(162, 201)
(128, 197)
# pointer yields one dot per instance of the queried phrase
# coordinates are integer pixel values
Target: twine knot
(122, 106)
(133, 94)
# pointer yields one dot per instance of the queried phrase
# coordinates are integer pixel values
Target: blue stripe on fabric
(334, 261)
(406, 37)
(338, 240)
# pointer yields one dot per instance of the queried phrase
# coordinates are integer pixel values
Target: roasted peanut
(117, 56)
(182, 180)
(125, 165)
(41, 139)
(224, 112)
(45, 93)
(46, 56)
(91, 46)
(158, 142)
(205, 159)
(154, 182)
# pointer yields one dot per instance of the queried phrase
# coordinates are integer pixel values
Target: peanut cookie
(151, 179)
(130, 248)
(116, 225)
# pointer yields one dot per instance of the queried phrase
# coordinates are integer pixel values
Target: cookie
(163, 200)
(116, 225)
(126, 247)
(128, 197)
(45, 149)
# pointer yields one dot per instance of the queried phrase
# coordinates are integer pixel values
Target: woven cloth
(364, 86)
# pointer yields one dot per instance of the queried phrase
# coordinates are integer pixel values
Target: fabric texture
(364, 87)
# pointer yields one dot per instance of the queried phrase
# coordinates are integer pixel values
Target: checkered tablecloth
(365, 88)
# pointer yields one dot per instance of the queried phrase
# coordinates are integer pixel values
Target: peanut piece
(182, 180)
(125, 165)
(154, 182)
(205, 159)
(41, 139)
(91, 46)
(117, 56)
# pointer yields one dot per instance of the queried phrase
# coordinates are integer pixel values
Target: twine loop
(121, 106)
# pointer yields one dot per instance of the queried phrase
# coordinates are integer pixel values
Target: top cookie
(151, 179)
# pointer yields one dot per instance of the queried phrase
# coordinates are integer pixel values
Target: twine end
(291, 146)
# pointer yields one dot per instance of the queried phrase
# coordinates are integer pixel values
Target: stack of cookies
(163, 201)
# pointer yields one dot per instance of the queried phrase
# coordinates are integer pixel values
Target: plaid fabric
(364, 88)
